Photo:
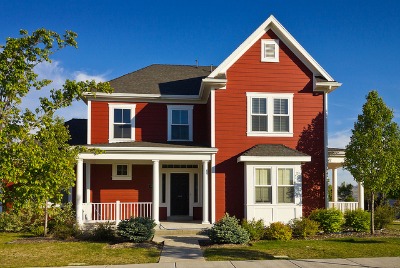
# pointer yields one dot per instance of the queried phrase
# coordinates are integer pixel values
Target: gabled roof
(273, 24)
(162, 79)
(273, 153)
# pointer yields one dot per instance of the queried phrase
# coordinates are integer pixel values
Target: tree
(373, 155)
(345, 192)
(36, 162)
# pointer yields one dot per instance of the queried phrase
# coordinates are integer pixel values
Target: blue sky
(357, 42)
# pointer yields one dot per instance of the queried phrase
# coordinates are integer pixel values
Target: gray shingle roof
(272, 150)
(162, 79)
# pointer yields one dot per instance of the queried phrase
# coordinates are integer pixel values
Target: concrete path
(180, 248)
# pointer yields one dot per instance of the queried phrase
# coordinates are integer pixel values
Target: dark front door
(179, 194)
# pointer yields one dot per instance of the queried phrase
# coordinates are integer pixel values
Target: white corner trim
(89, 122)
(111, 107)
(284, 35)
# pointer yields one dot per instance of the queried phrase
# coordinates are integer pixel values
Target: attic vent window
(270, 50)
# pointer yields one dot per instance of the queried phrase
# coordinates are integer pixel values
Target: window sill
(269, 134)
(121, 178)
(120, 140)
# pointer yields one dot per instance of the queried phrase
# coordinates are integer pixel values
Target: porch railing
(103, 212)
(343, 206)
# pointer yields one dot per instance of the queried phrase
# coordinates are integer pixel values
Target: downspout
(326, 147)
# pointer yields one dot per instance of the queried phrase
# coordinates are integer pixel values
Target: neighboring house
(246, 138)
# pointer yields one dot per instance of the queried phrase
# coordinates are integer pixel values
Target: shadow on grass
(355, 241)
(236, 254)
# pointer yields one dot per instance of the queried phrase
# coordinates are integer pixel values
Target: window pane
(281, 123)
(281, 106)
(184, 117)
(175, 117)
(259, 123)
(196, 188)
(285, 194)
(269, 50)
(259, 105)
(122, 170)
(285, 176)
(122, 131)
(117, 115)
(180, 117)
(263, 176)
(263, 194)
(126, 116)
(179, 132)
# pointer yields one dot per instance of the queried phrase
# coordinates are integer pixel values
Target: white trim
(273, 24)
(189, 109)
(270, 114)
(88, 173)
(79, 191)
(89, 122)
(144, 156)
(111, 108)
(205, 192)
(127, 177)
(213, 201)
(265, 42)
(212, 119)
(299, 159)
(156, 191)
(156, 149)
(326, 163)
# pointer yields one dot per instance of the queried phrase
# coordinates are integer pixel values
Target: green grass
(64, 253)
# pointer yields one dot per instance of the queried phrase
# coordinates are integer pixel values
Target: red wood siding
(104, 189)
(151, 122)
(249, 74)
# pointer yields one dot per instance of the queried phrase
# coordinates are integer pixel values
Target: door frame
(191, 172)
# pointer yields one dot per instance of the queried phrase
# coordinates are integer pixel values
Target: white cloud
(339, 139)
(55, 72)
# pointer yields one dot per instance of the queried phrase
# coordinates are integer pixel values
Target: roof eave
(326, 87)
(301, 159)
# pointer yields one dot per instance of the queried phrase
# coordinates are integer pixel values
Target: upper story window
(121, 122)
(180, 122)
(269, 114)
(270, 50)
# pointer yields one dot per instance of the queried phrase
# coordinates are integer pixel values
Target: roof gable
(272, 24)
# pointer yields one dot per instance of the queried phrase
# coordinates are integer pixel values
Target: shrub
(23, 220)
(10, 222)
(62, 222)
(304, 227)
(278, 231)
(256, 229)
(228, 231)
(383, 216)
(136, 229)
(330, 220)
(358, 220)
(103, 232)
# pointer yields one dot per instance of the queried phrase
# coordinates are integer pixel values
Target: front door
(179, 194)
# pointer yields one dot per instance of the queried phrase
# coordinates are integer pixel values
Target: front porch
(152, 181)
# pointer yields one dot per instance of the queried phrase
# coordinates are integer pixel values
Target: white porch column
(334, 185)
(360, 195)
(79, 191)
(87, 183)
(205, 193)
(156, 191)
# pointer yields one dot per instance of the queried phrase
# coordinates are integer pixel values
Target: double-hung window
(121, 122)
(269, 114)
(180, 122)
(285, 185)
(263, 187)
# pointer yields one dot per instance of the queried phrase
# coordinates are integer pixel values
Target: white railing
(103, 212)
(343, 206)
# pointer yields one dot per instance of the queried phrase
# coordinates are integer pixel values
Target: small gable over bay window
(180, 122)
(121, 122)
(270, 50)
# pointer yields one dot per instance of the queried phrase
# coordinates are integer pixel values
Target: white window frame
(263, 185)
(116, 177)
(189, 109)
(265, 42)
(270, 114)
(111, 108)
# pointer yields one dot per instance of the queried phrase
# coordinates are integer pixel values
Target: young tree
(36, 162)
(373, 155)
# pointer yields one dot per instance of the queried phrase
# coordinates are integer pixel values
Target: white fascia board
(285, 36)
(274, 159)
(141, 97)
(144, 156)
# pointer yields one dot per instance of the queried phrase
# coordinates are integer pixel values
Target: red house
(248, 137)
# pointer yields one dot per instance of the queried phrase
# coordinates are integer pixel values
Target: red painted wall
(151, 123)
(249, 74)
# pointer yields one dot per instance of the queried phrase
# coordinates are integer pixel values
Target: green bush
(103, 232)
(62, 222)
(228, 231)
(304, 227)
(358, 220)
(256, 229)
(23, 220)
(330, 220)
(383, 216)
(136, 229)
(278, 231)
(10, 222)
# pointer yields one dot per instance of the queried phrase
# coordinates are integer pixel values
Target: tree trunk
(45, 219)
(372, 213)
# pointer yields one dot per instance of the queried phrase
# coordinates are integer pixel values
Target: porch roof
(273, 153)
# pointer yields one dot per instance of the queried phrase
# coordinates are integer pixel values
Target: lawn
(349, 247)
(59, 253)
